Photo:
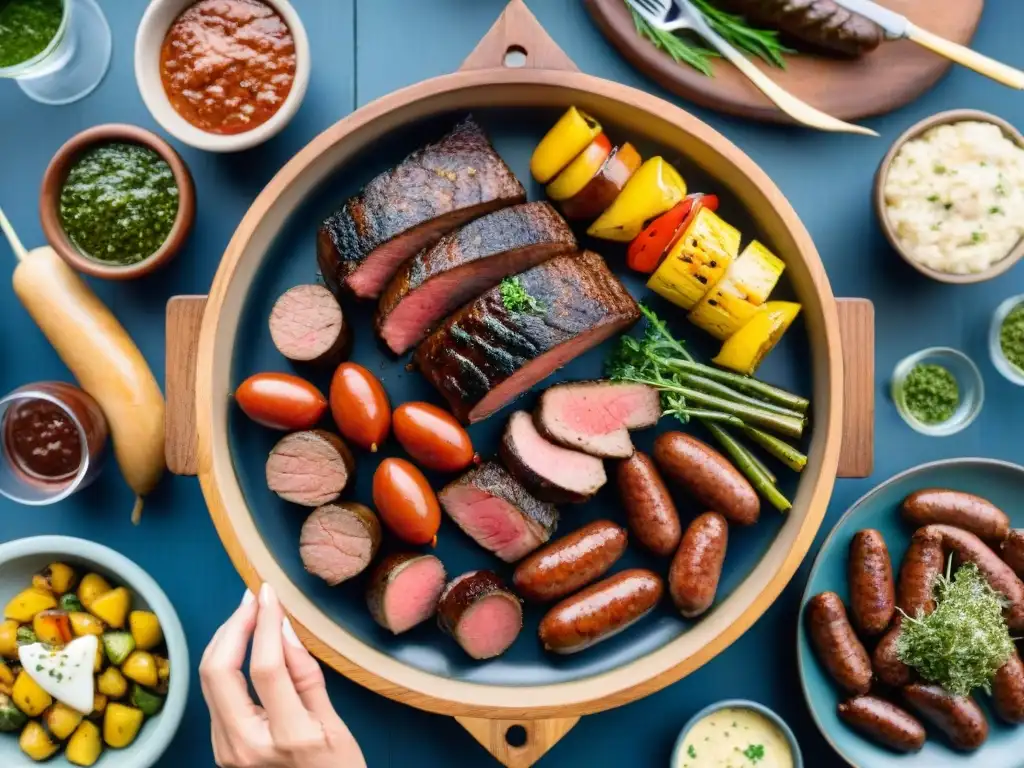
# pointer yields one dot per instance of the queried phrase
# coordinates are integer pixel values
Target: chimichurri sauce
(119, 203)
(931, 393)
(1011, 337)
(26, 28)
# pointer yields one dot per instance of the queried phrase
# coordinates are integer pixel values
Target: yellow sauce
(735, 738)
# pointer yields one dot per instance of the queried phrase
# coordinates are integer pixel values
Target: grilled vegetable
(112, 683)
(697, 261)
(93, 585)
(57, 578)
(6, 678)
(650, 246)
(745, 350)
(141, 667)
(724, 310)
(71, 603)
(163, 674)
(61, 721)
(36, 743)
(651, 191)
(756, 272)
(86, 624)
(99, 706)
(121, 725)
(601, 191)
(11, 718)
(144, 699)
(9, 639)
(26, 636)
(29, 697)
(85, 745)
(112, 607)
(25, 605)
(145, 628)
(118, 646)
(52, 627)
(580, 171)
(566, 139)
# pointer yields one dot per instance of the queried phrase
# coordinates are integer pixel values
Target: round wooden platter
(888, 78)
(538, 75)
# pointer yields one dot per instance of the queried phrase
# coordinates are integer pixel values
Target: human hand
(296, 726)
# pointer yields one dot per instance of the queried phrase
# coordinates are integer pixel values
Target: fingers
(220, 671)
(290, 723)
(307, 676)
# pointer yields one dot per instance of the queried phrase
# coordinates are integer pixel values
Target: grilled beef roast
(338, 541)
(483, 616)
(550, 472)
(498, 513)
(404, 589)
(595, 416)
(464, 264)
(487, 354)
(309, 468)
(307, 326)
(408, 208)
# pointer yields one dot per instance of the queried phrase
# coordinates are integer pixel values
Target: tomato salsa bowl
(222, 76)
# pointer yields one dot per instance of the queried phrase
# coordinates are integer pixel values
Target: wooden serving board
(888, 78)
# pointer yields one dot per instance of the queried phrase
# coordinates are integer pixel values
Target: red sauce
(43, 440)
(228, 65)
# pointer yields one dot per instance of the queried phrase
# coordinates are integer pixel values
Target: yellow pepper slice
(756, 272)
(581, 170)
(724, 310)
(745, 350)
(569, 136)
(653, 189)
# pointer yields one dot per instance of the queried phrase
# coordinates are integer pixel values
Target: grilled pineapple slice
(756, 272)
(697, 261)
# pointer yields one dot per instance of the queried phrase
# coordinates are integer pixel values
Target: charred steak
(408, 208)
(404, 589)
(483, 616)
(498, 513)
(487, 354)
(464, 264)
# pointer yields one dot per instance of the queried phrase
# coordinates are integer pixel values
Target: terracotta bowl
(915, 131)
(57, 173)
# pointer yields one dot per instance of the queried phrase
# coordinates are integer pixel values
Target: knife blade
(895, 25)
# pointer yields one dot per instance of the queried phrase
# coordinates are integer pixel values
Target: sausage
(836, 643)
(103, 358)
(1008, 690)
(884, 661)
(697, 566)
(872, 591)
(969, 548)
(959, 717)
(308, 326)
(1012, 551)
(707, 476)
(600, 611)
(964, 510)
(571, 562)
(883, 722)
(650, 513)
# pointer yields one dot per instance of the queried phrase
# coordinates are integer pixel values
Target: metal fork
(673, 15)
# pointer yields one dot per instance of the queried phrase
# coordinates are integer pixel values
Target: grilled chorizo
(872, 591)
(821, 24)
(571, 562)
(697, 566)
(650, 513)
(959, 717)
(1008, 690)
(964, 510)
(883, 722)
(836, 643)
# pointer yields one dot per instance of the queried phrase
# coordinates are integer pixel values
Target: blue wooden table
(363, 49)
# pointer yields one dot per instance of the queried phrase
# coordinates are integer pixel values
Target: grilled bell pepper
(655, 188)
(577, 174)
(569, 136)
(746, 348)
(648, 248)
(697, 261)
(756, 272)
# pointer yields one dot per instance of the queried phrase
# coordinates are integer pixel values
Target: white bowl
(156, 21)
(21, 558)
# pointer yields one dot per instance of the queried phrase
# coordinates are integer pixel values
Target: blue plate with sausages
(1002, 484)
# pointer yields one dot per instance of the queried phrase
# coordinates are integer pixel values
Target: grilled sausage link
(886, 663)
(707, 476)
(822, 24)
(872, 591)
(571, 562)
(600, 611)
(836, 643)
(1012, 551)
(963, 510)
(650, 513)
(883, 722)
(1008, 690)
(697, 566)
(959, 717)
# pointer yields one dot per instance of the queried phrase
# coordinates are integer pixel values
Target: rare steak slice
(498, 513)
(434, 190)
(339, 540)
(595, 416)
(404, 589)
(495, 348)
(464, 264)
(483, 616)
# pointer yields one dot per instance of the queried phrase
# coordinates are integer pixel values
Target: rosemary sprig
(681, 50)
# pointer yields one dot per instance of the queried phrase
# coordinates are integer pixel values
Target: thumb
(307, 675)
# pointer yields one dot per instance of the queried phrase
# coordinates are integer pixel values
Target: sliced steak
(408, 208)
(309, 468)
(338, 541)
(596, 416)
(498, 513)
(307, 326)
(482, 615)
(404, 589)
(464, 264)
(548, 471)
(486, 355)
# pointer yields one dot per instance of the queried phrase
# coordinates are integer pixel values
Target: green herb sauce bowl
(995, 347)
(969, 382)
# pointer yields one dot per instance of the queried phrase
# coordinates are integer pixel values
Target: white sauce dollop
(65, 673)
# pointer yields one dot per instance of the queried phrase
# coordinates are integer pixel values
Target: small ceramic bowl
(778, 722)
(157, 20)
(57, 173)
(915, 131)
(995, 347)
(968, 379)
(20, 559)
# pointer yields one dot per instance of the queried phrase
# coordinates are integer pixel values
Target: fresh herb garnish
(962, 643)
(933, 198)
(939, 168)
(977, 237)
(754, 753)
(995, 210)
(692, 752)
(516, 298)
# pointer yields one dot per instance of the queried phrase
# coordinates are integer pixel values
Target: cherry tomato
(360, 406)
(406, 502)
(281, 401)
(433, 437)
(648, 248)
